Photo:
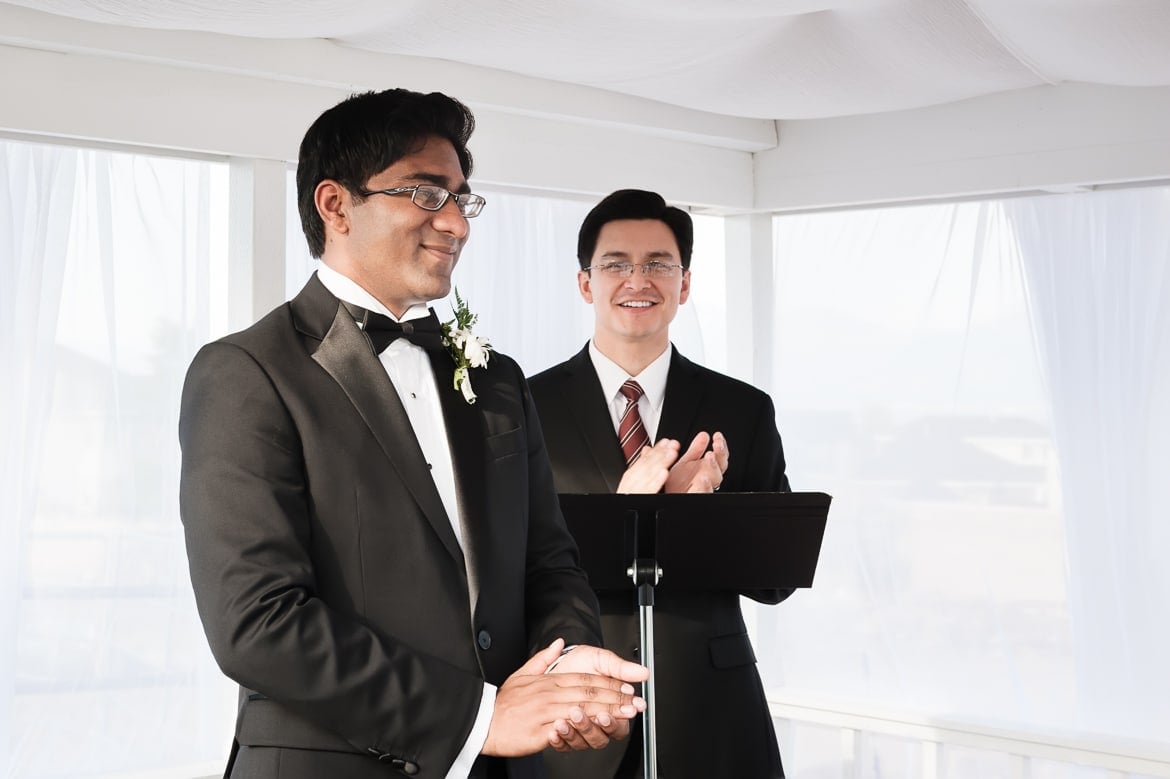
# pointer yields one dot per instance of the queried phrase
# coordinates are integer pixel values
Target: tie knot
(632, 390)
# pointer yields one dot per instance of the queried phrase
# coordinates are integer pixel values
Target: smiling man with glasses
(602, 412)
(379, 563)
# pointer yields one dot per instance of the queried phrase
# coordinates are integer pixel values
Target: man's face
(639, 308)
(402, 254)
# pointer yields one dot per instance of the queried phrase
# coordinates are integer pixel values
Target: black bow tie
(382, 330)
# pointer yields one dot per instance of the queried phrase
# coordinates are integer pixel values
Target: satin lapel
(465, 436)
(587, 406)
(684, 396)
(345, 353)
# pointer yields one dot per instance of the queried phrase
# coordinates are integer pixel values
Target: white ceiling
(768, 59)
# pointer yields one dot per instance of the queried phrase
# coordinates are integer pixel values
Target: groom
(379, 561)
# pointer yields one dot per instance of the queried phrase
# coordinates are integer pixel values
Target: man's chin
(439, 288)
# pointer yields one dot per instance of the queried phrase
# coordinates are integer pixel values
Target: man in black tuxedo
(634, 253)
(379, 562)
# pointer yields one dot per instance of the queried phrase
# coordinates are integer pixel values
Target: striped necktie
(631, 431)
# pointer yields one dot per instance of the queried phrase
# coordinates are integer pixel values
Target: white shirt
(410, 372)
(652, 380)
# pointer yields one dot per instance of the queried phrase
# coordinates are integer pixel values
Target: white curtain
(983, 388)
(36, 197)
(106, 261)
(1097, 268)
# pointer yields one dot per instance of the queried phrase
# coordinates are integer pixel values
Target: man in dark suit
(378, 561)
(600, 410)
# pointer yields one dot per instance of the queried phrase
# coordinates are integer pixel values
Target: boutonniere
(467, 350)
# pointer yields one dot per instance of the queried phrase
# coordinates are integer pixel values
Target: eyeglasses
(624, 270)
(431, 198)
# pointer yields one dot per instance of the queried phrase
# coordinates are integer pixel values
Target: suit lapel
(587, 406)
(684, 396)
(465, 436)
(346, 354)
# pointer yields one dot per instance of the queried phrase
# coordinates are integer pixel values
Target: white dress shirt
(410, 372)
(652, 380)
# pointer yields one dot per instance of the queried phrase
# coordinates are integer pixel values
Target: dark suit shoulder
(545, 386)
(554, 376)
(730, 385)
(268, 331)
(503, 365)
(731, 391)
(550, 385)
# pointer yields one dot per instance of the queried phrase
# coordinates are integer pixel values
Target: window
(114, 274)
(978, 386)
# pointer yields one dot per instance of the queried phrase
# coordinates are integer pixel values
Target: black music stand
(718, 541)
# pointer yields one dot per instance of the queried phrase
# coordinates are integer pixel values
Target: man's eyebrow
(653, 256)
(438, 180)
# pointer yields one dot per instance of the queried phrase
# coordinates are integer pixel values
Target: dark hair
(635, 204)
(367, 133)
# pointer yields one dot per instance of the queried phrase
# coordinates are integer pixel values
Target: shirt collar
(345, 288)
(652, 379)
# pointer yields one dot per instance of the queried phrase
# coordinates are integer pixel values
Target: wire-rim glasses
(431, 197)
(624, 270)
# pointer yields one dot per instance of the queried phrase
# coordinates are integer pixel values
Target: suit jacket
(712, 717)
(326, 572)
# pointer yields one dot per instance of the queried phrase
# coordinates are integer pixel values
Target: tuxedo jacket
(326, 572)
(712, 716)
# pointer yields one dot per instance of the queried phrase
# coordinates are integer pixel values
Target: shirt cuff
(478, 736)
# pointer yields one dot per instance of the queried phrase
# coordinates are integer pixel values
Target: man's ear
(685, 291)
(583, 286)
(333, 202)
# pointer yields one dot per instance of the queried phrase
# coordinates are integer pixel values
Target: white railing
(1022, 752)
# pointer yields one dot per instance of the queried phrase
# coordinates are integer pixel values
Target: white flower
(467, 350)
(476, 349)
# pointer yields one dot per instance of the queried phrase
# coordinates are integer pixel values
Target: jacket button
(409, 768)
(485, 640)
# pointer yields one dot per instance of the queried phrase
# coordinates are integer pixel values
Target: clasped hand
(660, 467)
(584, 702)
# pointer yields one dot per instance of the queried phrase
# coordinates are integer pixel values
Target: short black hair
(367, 133)
(635, 204)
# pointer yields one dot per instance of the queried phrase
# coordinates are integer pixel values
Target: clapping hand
(596, 686)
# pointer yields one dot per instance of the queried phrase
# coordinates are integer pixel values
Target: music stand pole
(645, 573)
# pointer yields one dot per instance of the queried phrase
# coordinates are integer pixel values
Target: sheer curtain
(1097, 271)
(108, 281)
(982, 388)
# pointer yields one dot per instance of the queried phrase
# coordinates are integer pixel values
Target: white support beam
(256, 239)
(750, 297)
(1049, 138)
(144, 104)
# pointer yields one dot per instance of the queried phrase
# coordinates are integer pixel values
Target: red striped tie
(631, 431)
